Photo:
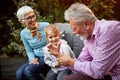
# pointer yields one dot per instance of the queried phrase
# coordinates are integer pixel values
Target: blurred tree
(116, 9)
(102, 8)
(46, 10)
(6, 12)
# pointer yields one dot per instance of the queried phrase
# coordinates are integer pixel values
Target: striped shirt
(101, 53)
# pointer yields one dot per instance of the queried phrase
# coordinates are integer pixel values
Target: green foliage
(15, 47)
(4, 31)
(51, 11)
(102, 8)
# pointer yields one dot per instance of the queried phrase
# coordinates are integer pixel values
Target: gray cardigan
(50, 59)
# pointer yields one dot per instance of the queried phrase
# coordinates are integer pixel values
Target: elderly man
(101, 53)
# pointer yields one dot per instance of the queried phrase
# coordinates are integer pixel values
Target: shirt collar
(96, 28)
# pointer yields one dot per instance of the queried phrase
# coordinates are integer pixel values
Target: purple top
(101, 53)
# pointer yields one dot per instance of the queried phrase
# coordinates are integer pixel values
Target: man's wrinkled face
(79, 29)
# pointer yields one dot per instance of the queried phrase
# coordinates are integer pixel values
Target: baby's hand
(54, 49)
(56, 64)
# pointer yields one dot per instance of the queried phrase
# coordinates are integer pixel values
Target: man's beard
(85, 36)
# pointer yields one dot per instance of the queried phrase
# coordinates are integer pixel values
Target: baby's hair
(51, 28)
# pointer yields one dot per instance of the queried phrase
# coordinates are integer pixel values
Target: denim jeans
(53, 76)
(32, 71)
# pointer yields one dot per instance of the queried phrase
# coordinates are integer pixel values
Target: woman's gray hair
(79, 12)
(23, 11)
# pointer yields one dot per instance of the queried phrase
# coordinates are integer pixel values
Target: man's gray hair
(23, 11)
(79, 12)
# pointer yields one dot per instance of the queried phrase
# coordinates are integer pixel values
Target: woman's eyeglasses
(29, 18)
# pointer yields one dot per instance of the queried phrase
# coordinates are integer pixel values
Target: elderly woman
(34, 40)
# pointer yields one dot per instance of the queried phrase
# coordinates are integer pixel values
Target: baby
(55, 48)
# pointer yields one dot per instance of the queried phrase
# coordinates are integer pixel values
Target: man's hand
(34, 61)
(66, 60)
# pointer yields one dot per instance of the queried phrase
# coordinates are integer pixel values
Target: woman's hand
(34, 61)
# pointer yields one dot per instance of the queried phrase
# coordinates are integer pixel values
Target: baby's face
(53, 38)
